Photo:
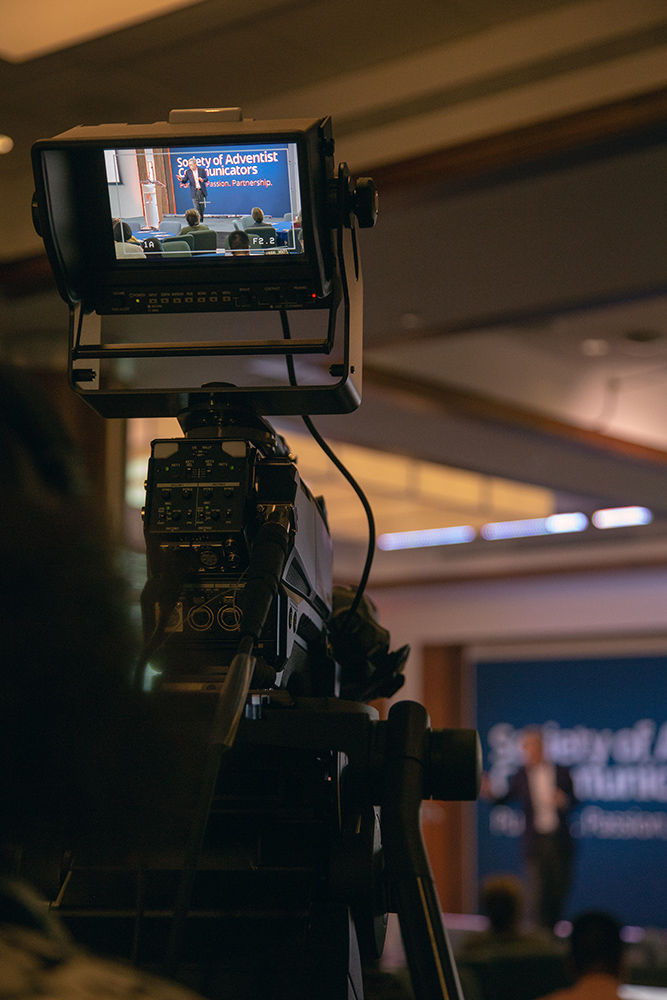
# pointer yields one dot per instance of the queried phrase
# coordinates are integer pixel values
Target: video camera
(289, 869)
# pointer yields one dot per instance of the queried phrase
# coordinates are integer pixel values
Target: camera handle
(430, 960)
(393, 764)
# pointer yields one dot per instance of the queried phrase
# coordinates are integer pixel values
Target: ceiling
(434, 74)
(525, 337)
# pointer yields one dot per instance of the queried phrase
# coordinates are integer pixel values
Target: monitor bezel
(75, 214)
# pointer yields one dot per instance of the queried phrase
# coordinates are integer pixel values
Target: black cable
(140, 912)
(344, 472)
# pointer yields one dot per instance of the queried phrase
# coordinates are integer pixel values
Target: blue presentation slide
(605, 719)
(239, 178)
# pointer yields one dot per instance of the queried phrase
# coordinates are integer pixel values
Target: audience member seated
(193, 223)
(596, 954)
(239, 243)
(152, 245)
(125, 243)
(257, 218)
(72, 734)
(502, 903)
(505, 962)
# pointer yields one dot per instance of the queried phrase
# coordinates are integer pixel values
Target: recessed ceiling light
(621, 517)
(556, 524)
(411, 321)
(6, 144)
(594, 347)
(426, 537)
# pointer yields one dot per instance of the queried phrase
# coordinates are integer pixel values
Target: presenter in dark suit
(195, 178)
(545, 793)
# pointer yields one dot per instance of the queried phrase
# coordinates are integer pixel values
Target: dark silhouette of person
(502, 902)
(239, 243)
(78, 750)
(152, 245)
(506, 960)
(126, 245)
(596, 957)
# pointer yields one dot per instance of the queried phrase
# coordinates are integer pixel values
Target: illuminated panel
(562, 523)
(557, 524)
(621, 517)
(430, 536)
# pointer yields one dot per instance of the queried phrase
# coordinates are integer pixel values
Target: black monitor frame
(73, 215)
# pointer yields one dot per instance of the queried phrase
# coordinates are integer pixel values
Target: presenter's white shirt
(542, 784)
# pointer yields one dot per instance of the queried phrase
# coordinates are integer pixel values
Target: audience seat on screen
(171, 226)
(288, 237)
(135, 222)
(246, 221)
(172, 246)
(206, 240)
(129, 249)
(262, 237)
(186, 236)
(515, 977)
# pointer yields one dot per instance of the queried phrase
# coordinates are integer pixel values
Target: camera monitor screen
(204, 202)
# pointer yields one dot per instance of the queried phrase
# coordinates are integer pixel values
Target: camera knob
(36, 221)
(453, 765)
(365, 202)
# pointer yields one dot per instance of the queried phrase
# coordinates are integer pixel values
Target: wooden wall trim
(26, 276)
(640, 118)
(448, 827)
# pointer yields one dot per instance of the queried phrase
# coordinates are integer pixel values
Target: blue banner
(605, 719)
(238, 179)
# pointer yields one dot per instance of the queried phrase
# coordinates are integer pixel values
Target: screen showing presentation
(205, 202)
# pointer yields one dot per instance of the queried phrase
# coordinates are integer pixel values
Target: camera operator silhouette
(79, 754)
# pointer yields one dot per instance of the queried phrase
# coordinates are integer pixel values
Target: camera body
(206, 497)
